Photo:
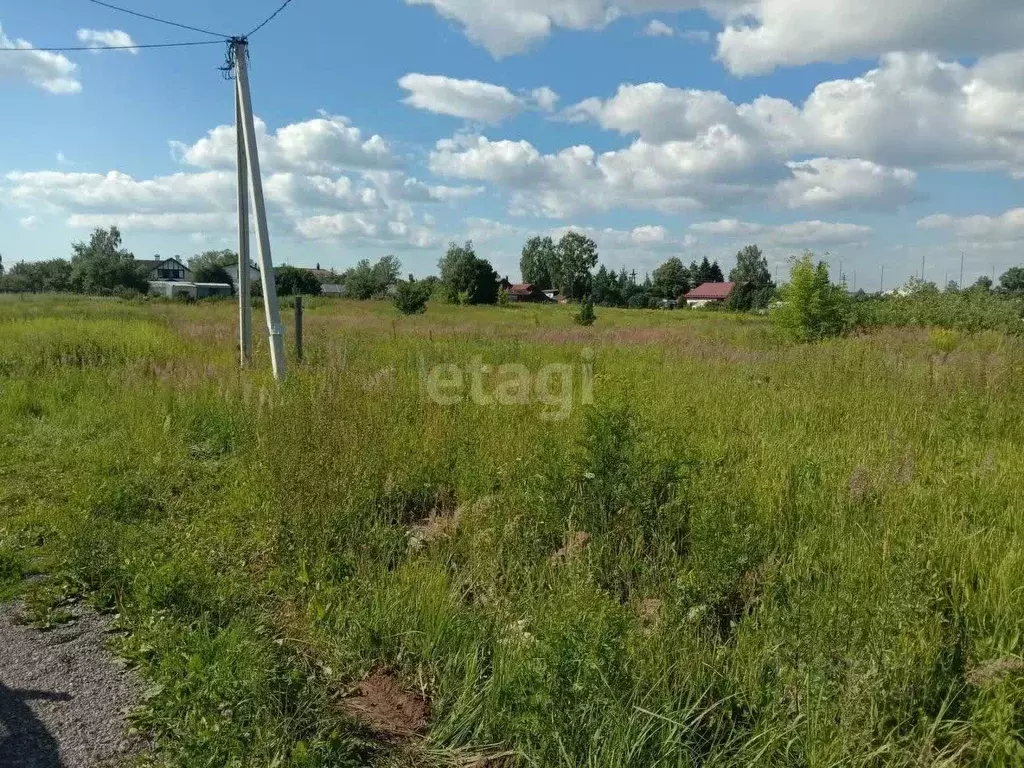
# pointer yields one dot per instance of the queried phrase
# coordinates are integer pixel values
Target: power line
(61, 49)
(161, 21)
(269, 18)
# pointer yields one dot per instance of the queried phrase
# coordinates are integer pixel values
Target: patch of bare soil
(995, 671)
(575, 543)
(64, 699)
(386, 708)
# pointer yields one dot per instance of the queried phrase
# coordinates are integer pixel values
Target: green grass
(797, 555)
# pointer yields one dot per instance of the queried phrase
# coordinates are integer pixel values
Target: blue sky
(875, 131)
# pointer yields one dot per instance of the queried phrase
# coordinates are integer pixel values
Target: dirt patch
(575, 543)
(440, 525)
(382, 705)
(995, 671)
(64, 699)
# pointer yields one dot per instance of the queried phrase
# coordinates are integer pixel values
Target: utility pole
(244, 100)
(922, 267)
(961, 270)
(244, 298)
(881, 284)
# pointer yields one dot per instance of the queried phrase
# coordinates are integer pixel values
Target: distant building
(332, 290)
(709, 293)
(527, 293)
(165, 269)
(254, 274)
(173, 289)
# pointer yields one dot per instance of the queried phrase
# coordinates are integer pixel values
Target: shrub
(811, 307)
(585, 315)
(411, 297)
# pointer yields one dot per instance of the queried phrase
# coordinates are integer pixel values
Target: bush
(411, 297)
(585, 315)
(971, 311)
(811, 308)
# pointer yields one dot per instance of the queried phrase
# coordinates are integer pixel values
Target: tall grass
(744, 553)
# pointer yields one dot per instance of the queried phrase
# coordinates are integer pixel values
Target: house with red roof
(709, 293)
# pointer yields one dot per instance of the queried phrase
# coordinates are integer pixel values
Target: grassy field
(744, 552)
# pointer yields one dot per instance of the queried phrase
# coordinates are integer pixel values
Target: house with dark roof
(525, 293)
(168, 270)
(709, 293)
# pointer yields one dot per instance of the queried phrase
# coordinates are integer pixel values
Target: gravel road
(63, 697)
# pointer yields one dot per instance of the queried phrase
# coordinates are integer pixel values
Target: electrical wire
(161, 21)
(114, 47)
(269, 18)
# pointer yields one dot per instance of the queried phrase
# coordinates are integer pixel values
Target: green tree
(585, 315)
(411, 296)
(102, 265)
(211, 266)
(984, 283)
(293, 281)
(811, 307)
(467, 278)
(754, 287)
(368, 281)
(1012, 281)
(385, 273)
(539, 263)
(671, 280)
(577, 255)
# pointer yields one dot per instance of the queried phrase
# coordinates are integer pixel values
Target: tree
(467, 279)
(366, 281)
(211, 266)
(1012, 281)
(705, 272)
(984, 283)
(411, 296)
(539, 263)
(386, 272)
(293, 281)
(586, 315)
(671, 280)
(754, 287)
(577, 255)
(102, 265)
(811, 308)
(716, 273)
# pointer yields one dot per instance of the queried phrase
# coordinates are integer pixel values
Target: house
(526, 293)
(709, 293)
(165, 269)
(254, 274)
(173, 289)
(332, 290)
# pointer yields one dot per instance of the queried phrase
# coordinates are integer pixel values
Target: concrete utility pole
(244, 291)
(961, 270)
(274, 328)
(881, 284)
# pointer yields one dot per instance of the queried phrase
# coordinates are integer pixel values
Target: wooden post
(298, 328)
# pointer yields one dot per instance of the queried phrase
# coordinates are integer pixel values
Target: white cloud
(795, 32)
(658, 28)
(471, 99)
(826, 182)
(913, 111)
(154, 222)
(52, 72)
(760, 35)
(1007, 227)
(109, 38)
(802, 234)
(326, 144)
(468, 99)
(545, 98)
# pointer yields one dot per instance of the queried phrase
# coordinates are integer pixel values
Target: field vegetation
(746, 551)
